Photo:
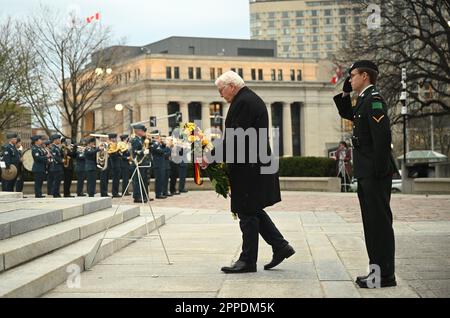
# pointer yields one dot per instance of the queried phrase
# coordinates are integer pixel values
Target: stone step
(20, 249)
(37, 277)
(18, 217)
(10, 195)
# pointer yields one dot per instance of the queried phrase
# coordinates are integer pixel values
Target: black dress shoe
(369, 281)
(239, 267)
(280, 256)
(139, 201)
(57, 196)
(184, 191)
(40, 197)
(168, 194)
(127, 194)
(161, 197)
(116, 196)
(69, 196)
(176, 193)
(81, 195)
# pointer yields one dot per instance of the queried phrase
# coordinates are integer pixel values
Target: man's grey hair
(230, 77)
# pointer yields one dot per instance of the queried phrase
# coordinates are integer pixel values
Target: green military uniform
(373, 167)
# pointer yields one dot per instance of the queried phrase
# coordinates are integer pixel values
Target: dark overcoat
(251, 190)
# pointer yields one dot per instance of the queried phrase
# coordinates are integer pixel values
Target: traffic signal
(152, 121)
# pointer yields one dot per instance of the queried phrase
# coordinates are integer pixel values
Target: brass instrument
(102, 154)
(66, 158)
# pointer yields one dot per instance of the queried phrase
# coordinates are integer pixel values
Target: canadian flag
(94, 17)
(337, 76)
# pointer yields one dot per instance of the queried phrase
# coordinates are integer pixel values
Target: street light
(121, 107)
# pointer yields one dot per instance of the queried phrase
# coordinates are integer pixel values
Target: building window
(299, 14)
(212, 72)
(271, 15)
(198, 73)
(343, 11)
(286, 23)
(300, 22)
(253, 74)
(191, 73)
(315, 30)
(172, 108)
(280, 75)
(194, 111)
(271, 24)
(328, 21)
(314, 22)
(168, 72)
(314, 13)
(216, 108)
(233, 69)
(295, 124)
(241, 72)
(343, 20)
(285, 14)
(219, 71)
(260, 75)
(176, 72)
(299, 75)
(292, 75)
(273, 75)
(327, 12)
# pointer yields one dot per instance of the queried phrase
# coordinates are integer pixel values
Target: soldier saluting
(373, 167)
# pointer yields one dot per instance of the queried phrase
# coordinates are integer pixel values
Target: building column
(287, 130)
(184, 109)
(206, 121)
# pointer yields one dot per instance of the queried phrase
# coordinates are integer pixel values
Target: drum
(28, 160)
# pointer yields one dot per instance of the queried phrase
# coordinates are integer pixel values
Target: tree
(414, 35)
(10, 111)
(59, 74)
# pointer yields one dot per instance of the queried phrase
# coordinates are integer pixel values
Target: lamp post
(121, 107)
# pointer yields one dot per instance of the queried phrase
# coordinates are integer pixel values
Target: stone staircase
(44, 241)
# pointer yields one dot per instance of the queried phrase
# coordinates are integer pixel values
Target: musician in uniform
(104, 180)
(141, 156)
(114, 164)
(167, 153)
(19, 181)
(69, 153)
(11, 156)
(91, 165)
(80, 167)
(373, 166)
(158, 165)
(49, 176)
(40, 160)
(56, 166)
(125, 166)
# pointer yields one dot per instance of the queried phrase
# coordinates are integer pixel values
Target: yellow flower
(191, 139)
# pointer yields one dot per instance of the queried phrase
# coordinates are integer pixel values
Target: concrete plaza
(324, 228)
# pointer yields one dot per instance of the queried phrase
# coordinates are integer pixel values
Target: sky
(141, 22)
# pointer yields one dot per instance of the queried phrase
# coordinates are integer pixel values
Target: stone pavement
(325, 229)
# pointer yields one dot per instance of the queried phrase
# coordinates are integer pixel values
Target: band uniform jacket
(40, 159)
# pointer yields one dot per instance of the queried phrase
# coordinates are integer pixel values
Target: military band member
(158, 165)
(114, 166)
(49, 176)
(11, 157)
(56, 166)
(40, 160)
(69, 153)
(19, 181)
(80, 167)
(167, 153)
(91, 165)
(125, 167)
(373, 167)
(141, 155)
(104, 180)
